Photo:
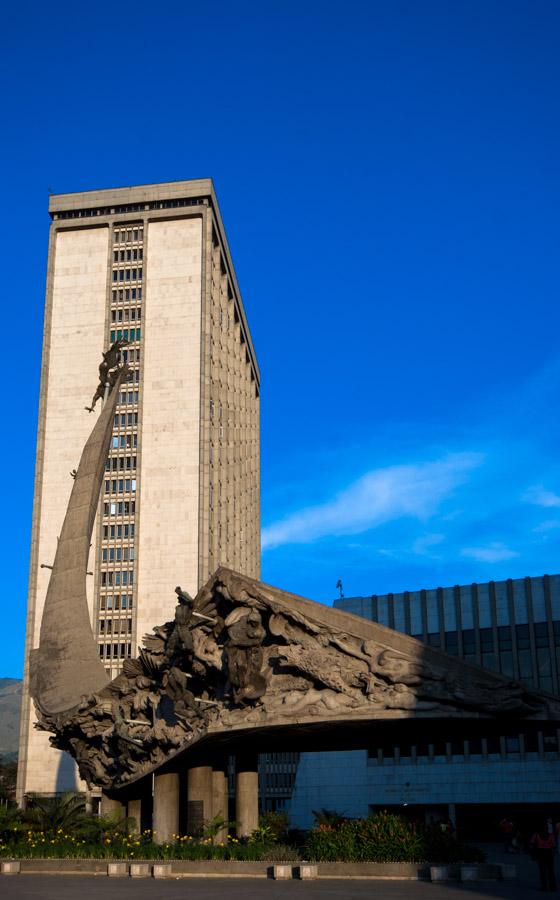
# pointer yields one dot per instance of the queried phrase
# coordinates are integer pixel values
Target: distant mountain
(10, 706)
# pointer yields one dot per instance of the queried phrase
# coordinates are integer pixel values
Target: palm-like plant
(66, 812)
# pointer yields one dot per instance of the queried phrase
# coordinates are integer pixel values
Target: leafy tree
(8, 777)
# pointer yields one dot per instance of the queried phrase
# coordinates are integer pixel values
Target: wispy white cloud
(494, 552)
(379, 496)
(423, 545)
(541, 497)
(547, 525)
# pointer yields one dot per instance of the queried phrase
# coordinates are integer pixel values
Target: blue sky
(388, 175)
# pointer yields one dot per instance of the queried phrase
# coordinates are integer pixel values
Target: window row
(500, 655)
(120, 485)
(117, 578)
(122, 294)
(116, 626)
(119, 463)
(123, 508)
(126, 208)
(129, 334)
(131, 355)
(126, 315)
(117, 554)
(125, 235)
(212, 410)
(128, 397)
(127, 274)
(124, 419)
(115, 651)
(119, 441)
(477, 746)
(283, 781)
(130, 255)
(116, 601)
(118, 531)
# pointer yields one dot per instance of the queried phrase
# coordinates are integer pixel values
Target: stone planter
(11, 867)
(162, 870)
(306, 872)
(439, 873)
(469, 873)
(140, 870)
(117, 869)
(508, 871)
(280, 872)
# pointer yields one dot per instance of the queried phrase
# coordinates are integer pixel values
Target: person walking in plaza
(506, 829)
(543, 846)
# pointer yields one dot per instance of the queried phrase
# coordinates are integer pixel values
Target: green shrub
(277, 824)
(280, 853)
(383, 838)
(118, 844)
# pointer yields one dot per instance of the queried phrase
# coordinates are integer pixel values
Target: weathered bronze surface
(239, 658)
(249, 657)
(109, 369)
(66, 665)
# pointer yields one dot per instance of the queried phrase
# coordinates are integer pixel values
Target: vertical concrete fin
(66, 665)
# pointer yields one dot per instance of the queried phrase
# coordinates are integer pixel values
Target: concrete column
(246, 793)
(165, 819)
(220, 798)
(134, 811)
(110, 807)
(452, 814)
(199, 798)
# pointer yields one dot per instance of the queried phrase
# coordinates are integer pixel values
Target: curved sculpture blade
(66, 665)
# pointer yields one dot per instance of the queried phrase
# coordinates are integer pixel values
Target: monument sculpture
(239, 658)
(108, 371)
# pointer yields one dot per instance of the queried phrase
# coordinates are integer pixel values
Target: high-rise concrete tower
(149, 264)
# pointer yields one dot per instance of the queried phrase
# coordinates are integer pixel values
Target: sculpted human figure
(175, 683)
(244, 653)
(107, 370)
(180, 646)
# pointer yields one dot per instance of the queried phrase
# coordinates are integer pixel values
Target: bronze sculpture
(239, 657)
(108, 371)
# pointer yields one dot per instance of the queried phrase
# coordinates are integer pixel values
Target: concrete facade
(510, 626)
(169, 490)
(151, 264)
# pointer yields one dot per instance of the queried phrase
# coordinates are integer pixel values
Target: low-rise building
(471, 776)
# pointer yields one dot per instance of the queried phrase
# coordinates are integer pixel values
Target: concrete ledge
(381, 871)
(62, 866)
(483, 872)
(230, 869)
